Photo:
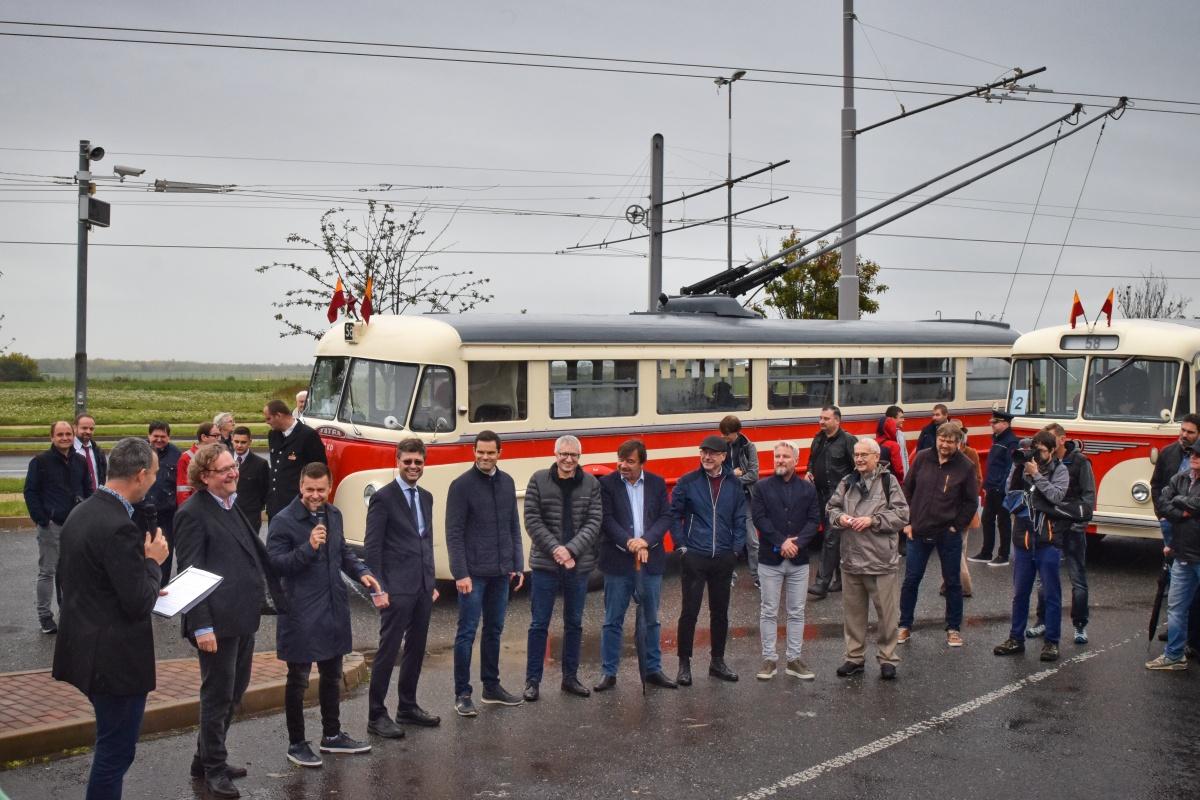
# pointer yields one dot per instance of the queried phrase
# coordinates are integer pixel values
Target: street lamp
(741, 73)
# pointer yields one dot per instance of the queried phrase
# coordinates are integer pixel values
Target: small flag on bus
(336, 302)
(1077, 310)
(1106, 309)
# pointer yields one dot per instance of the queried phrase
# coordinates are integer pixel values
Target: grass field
(12, 485)
(13, 508)
(182, 403)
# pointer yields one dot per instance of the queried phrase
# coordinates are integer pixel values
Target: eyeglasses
(210, 436)
(567, 455)
(857, 456)
(412, 462)
(225, 470)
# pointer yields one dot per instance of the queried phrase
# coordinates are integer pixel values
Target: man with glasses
(995, 516)
(293, 445)
(207, 433)
(213, 534)
(563, 512)
(710, 512)
(399, 552)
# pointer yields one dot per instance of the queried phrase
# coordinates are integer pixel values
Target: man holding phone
(307, 549)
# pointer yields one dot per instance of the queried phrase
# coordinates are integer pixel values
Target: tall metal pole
(81, 254)
(656, 212)
(729, 187)
(848, 282)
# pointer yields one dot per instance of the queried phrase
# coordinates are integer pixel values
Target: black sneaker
(497, 694)
(464, 707)
(532, 692)
(47, 625)
(301, 755)
(980, 558)
(887, 672)
(998, 562)
(848, 669)
(1009, 647)
(342, 743)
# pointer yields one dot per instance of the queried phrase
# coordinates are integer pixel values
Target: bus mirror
(391, 423)
(1165, 415)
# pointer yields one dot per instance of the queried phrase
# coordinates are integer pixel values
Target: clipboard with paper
(187, 589)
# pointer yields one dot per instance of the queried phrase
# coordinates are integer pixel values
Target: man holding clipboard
(110, 575)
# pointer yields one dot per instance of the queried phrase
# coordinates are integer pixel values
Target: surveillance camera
(127, 172)
(96, 153)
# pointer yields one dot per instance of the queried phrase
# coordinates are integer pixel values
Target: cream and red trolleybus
(666, 378)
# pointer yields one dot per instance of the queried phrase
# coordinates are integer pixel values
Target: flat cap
(715, 443)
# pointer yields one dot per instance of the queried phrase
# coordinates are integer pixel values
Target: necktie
(241, 459)
(87, 456)
(412, 507)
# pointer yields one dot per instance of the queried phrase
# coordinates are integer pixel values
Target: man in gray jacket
(563, 512)
(868, 510)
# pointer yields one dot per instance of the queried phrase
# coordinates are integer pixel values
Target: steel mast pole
(848, 282)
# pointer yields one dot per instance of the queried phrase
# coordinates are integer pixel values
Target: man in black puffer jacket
(1180, 504)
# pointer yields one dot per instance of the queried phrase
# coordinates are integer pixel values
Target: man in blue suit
(637, 516)
(399, 545)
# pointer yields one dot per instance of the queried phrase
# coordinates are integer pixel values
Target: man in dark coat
(213, 534)
(92, 453)
(637, 517)
(160, 500)
(307, 548)
(399, 545)
(105, 647)
(1172, 461)
(293, 444)
(830, 458)
(483, 540)
(995, 516)
(56, 482)
(254, 476)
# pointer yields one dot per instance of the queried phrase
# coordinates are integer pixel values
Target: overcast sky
(494, 139)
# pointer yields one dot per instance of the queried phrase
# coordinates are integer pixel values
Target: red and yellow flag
(336, 302)
(364, 307)
(1106, 309)
(1077, 310)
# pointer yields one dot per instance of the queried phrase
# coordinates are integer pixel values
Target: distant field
(182, 403)
(12, 485)
(13, 508)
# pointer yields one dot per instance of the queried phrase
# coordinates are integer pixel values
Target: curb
(50, 739)
(16, 523)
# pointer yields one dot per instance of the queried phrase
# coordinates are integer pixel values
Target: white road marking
(916, 729)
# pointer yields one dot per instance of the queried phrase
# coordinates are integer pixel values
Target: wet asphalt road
(958, 723)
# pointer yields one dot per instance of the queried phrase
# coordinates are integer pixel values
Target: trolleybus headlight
(369, 491)
(1140, 492)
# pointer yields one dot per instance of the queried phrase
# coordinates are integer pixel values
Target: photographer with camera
(1037, 486)
(1079, 504)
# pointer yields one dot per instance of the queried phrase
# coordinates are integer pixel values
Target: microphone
(321, 517)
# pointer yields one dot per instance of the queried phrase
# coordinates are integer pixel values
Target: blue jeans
(949, 549)
(1043, 562)
(544, 588)
(618, 591)
(489, 599)
(1075, 553)
(1185, 579)
(118, 723)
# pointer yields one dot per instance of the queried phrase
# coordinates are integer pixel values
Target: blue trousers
(1075, 553)
(618, 591)
(1042, 562)
(488, 599)
(949, 549)
(118, 723)
(544, 588)
(1185, 580)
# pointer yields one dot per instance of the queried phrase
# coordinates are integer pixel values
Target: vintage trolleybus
(667, 378)
(1121, 390)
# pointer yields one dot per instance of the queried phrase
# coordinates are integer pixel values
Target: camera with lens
(1024, 452)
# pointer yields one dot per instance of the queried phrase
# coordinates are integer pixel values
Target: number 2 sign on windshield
(1019, 402)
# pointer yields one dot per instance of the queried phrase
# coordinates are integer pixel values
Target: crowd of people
(110, 524)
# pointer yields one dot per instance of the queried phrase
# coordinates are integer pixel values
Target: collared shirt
(636, 492)
(225, 504)
(288, 432)
(414, 502)
(124, 502)
(89, 455)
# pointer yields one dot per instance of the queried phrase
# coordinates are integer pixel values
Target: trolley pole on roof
(848, 282)
(656, 212)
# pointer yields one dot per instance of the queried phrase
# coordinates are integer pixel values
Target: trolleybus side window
(1046, 387)
(987, 378)
(927, 380)
(688, 386)
(1183, 403)
(496, 391)
(586, 388)
(378, 393)
(325, 388)
(866, 381)
(433, 411)
(1130, 388)
(799, 382)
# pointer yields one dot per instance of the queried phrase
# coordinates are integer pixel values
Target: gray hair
(128, 457)
(220, 419)
(871, 444)
(785, 443)
(952, 429)
(568, 441)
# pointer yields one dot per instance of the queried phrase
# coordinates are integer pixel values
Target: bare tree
(1148, 299)
(383, 250)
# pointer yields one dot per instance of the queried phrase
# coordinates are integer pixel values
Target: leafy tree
(1148, 299)
(18, 367)
(383, 250)
(810, 291)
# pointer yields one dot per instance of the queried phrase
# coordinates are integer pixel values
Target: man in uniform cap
(995, 516)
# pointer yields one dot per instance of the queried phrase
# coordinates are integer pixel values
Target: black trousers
(166, 521)
(405, 621)
(329, 692)
(224, 676)
(995, 515)
(700, 571)
(831, 555)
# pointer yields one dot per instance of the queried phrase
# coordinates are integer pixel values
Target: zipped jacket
(1043, 521)
(710, 524)
(874, 551)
